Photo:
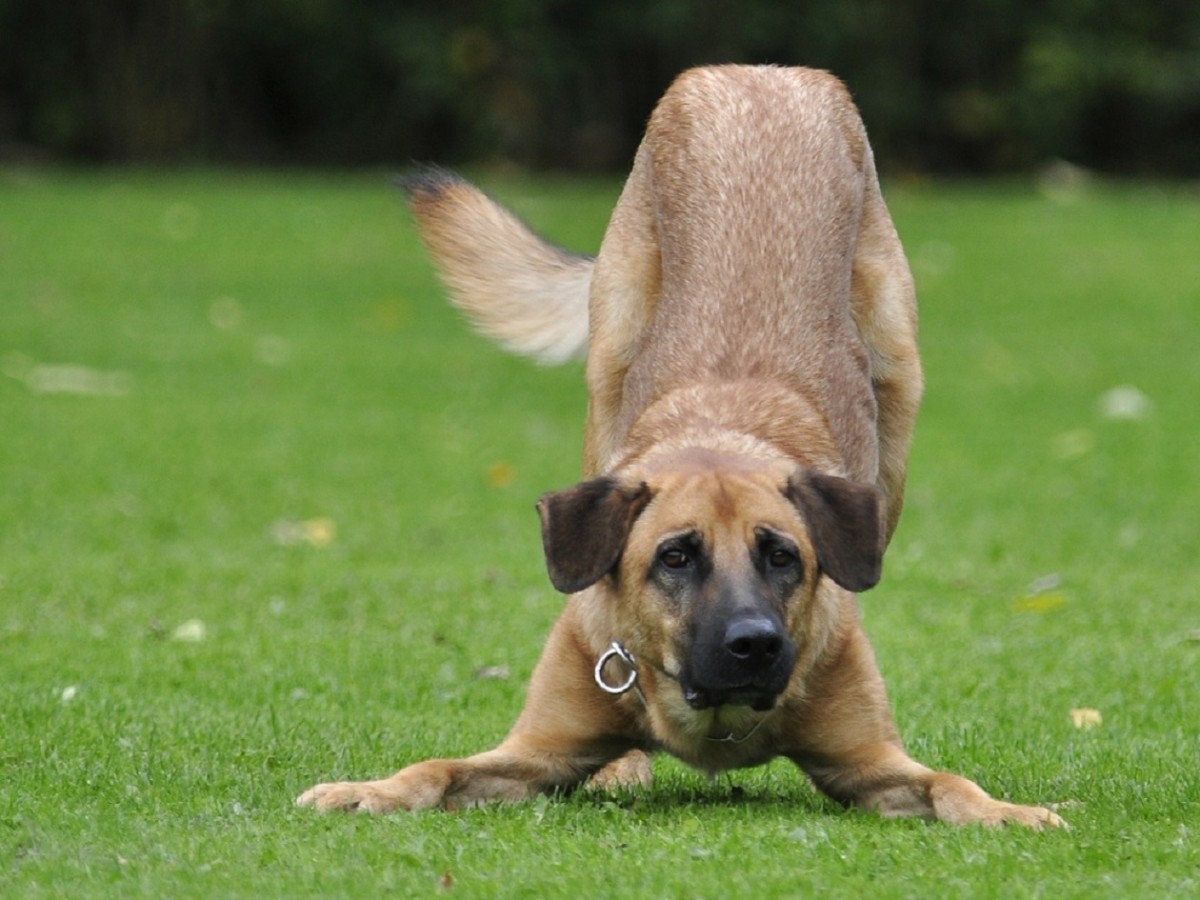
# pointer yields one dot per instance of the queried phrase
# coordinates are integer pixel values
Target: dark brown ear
(843, 518)
(584, 530)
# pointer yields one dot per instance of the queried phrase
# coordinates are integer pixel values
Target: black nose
(754, 641)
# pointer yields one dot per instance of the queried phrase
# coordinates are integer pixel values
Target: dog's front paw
(350, 796)
(420, 786)
(1035, 817)
(959, 801)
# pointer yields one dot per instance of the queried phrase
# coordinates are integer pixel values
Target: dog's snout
(744, 660)
(754, 641)
(741, 652)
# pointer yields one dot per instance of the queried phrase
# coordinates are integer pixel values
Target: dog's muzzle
(745, 661)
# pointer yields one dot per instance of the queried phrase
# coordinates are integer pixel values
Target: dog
(753, 379)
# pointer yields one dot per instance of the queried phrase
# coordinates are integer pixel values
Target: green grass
(271, 349)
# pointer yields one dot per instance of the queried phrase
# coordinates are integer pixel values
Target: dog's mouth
(758, 699)
(715, 680)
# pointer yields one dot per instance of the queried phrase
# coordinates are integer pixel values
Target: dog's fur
(753, 379)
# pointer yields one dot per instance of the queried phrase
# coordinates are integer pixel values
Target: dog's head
(714, 567)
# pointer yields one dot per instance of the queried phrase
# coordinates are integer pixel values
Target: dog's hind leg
(884, 307)
(624, 293)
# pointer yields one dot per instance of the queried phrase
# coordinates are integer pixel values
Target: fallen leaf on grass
(1085, 718)
(492, 673)
(501, 474)
(273, 350)
(193, 631)
(1073, 444)
(446, 881)
(1045, 583)
(317, 533)
(225, 313)
(389, 315)
(1124, 402)
(1039, 603)
(67, 378)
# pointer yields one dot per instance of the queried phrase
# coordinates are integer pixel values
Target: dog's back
(757, 179)
(754, 214)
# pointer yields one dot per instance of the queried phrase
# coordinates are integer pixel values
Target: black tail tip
(426, 182)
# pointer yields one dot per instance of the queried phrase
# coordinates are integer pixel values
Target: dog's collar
(619, 651)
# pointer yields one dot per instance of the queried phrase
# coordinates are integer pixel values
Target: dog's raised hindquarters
(753, 379)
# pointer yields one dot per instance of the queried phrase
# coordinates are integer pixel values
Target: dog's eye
(673, 558)
(780, 558)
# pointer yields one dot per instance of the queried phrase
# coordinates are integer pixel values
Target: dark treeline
(944, 85)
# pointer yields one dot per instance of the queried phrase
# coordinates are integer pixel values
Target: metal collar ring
(618, 650)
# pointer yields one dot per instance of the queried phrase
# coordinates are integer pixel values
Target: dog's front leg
(844, 738)
(567, 731)
(510, 772)
(884, 779)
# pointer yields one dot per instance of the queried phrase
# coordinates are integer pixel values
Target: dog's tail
(526, 294)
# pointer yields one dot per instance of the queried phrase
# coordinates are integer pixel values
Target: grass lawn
(266, 519)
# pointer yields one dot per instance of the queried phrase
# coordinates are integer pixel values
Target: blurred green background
(973, 86)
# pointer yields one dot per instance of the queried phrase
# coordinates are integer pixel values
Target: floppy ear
(584, 530)
(843, 518)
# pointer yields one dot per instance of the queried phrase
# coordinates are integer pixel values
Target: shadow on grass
(769, 792)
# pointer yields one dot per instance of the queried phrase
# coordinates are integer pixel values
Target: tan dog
(753, 379)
